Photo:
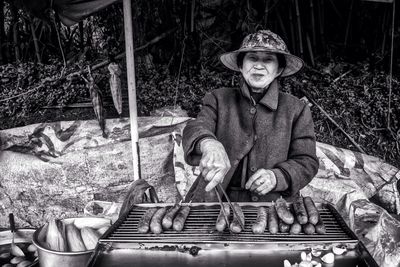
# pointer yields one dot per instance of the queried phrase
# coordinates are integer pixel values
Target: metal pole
(130, 68)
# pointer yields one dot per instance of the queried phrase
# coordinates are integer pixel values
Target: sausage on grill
(272, 220)
(261, 222)
(221, 223)
(155, 224)
(283, 227)
(144, 222)
(300, 210)
(311, 210)
(295, 228)
(309, 229)
(320, 226)
(283, 212)
(169, 216)
(180, 219)
(235, 225)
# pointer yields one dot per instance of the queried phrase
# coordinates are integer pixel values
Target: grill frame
(111, 251)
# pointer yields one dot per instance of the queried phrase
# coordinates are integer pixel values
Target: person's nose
(259, 65)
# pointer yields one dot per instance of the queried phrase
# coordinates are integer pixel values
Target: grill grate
(200, 227)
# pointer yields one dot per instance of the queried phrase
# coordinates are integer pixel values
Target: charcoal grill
(199, 244)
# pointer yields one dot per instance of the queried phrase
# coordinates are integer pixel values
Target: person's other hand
(261, 182)
(214, 163)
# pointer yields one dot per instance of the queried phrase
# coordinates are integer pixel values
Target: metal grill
(200, 244)
(200, 228)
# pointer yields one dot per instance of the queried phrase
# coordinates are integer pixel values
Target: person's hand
(214, 163)
(261, 182)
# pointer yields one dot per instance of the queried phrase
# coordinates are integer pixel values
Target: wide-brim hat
(265, 41)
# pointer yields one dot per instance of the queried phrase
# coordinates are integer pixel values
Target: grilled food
(283, 211)
(144, 222)
(309, 229)
(283, 227)
(235, 224)
(272, 220)
(311, 210)
(169, 216)
(320, 226)
(221, 223)
(261, 222)
(300, 210)
(180, 219)
(155, 224)
(295, 228)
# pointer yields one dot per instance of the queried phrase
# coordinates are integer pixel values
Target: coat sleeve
(203, 126)
(302, 163)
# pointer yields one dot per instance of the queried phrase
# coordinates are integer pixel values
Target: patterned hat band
(264, 41)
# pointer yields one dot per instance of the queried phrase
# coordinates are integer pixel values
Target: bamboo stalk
(299, 26)
(35, 42)
(348, 23)
(13, 33)
(359, 148)
(266, 10)
(383, 29)
(192, 13)
(21, 94)
(336, 10)
(341, 76)
(16, 42)
(391, 67)
(281, 24)
(77, 105)
(312, 23)
(293, 40)
(57, 23)
(310, 50)
(2, 34)
(321, 23)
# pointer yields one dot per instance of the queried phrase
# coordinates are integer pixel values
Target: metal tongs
(230, 205)
(194, 195)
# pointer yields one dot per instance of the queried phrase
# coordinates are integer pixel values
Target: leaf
(115, 86)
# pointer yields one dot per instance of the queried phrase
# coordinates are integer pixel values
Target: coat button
(253, 169)
(254, 198)
(253, 110)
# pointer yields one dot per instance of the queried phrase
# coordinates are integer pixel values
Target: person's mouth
(257, 75)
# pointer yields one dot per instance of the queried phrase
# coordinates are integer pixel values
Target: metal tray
(199, 244)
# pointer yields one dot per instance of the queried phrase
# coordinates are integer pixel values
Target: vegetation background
(352, 69)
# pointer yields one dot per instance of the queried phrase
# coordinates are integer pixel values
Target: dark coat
(276, 133)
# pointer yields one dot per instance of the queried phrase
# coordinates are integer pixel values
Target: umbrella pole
(130, 68)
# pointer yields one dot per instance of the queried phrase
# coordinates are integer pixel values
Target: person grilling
(256, 141)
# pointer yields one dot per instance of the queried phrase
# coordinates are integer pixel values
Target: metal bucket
(51, 258)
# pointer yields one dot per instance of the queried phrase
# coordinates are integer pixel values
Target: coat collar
(270, 99)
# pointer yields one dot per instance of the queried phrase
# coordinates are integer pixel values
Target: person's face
(259, 69)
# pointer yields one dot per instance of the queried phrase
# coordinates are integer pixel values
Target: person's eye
(268, 59)
(252, 58)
